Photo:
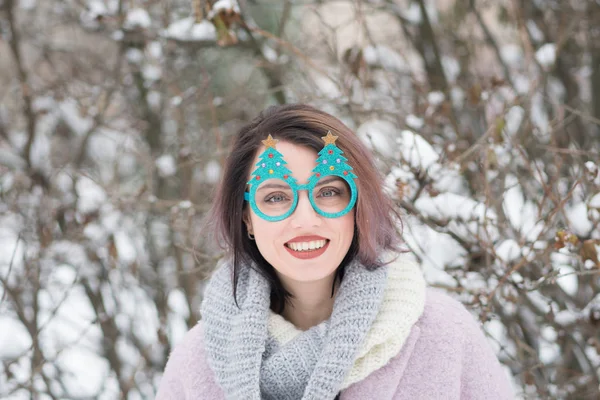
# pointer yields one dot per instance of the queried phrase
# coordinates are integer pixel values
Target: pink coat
(446, 356)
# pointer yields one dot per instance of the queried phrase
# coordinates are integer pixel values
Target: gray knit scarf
(249, 364)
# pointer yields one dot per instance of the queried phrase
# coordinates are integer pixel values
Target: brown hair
(375, 230)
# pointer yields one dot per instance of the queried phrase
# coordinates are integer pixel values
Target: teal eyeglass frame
(329, 163)
(312, 183)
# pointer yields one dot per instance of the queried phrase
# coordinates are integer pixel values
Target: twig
(12, 259)
(15, 46)
(490, 39)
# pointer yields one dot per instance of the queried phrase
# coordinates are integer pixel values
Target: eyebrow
(275, 185)
(333, 178)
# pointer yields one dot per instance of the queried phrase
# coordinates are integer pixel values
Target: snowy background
(116, 117)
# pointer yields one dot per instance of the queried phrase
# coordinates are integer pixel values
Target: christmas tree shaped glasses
(273, 192)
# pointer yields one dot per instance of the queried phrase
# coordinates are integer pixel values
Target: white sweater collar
(402, 305)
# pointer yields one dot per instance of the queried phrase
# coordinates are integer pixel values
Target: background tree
(116, 116)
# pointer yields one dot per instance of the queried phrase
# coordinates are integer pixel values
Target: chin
(309, 270)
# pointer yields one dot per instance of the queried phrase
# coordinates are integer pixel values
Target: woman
(314, 300)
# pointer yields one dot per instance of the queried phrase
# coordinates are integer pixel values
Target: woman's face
(280, 242)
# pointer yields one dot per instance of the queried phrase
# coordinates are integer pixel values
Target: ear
(248, 221)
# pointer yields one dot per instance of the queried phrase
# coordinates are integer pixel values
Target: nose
(304, 215)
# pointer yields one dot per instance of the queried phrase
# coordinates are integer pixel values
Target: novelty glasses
(273, 193)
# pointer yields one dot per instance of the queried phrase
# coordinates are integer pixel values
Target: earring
(250, 236)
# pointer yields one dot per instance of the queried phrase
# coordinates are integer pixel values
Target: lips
(307, 247)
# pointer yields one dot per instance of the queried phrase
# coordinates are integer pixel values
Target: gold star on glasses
(329, 139)
(270, 142)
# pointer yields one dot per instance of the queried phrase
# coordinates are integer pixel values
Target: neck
(311, 304)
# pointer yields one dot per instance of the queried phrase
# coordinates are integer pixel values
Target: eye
(276, 198)
(329, 192)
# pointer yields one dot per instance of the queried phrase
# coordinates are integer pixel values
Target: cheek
(265, 232)
(346, 227)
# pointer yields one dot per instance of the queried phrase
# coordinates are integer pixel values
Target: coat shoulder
(454, 353)
(187, 374)
(443, 312)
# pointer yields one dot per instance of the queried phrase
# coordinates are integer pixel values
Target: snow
(556, 90)
(451, 68)
(522, 84)
(508, 250)
(91, 195)
(591, 168)
(154, 49)
(400, 175)
(546, 55)
(451, 206)
(64, 251)
(416, 151)
(457, 96)
(414, 122)
(63, 275)
(85, 371)
(43, 103)
(10, 159)
(71, 114)
(125, 247)
(226, 5)
(154, 98)
(117, 35)
(595, 201)
(64, 182)
(151, 72)
(548, 352)
(98, 201)
(448, 178)
(187, 30)
(134, 56)
(539, 117)
(385, 57)
(166, 165)
(511, 54)
(137, 313)
(567, 280)
(185, 205)
(436, 98)
(269, 53)
(498, 333)
(523, 215)
(27, 4)
(67, 318)
(327, 87)
(137, 17)
(536, 34)
(592, 173)
(14, 338)
(436, 251)
(565, 317)
(412, 13)
(578, 219)
(377, 135)
(178, 303)
(513, 119)
(40, 151)
(97, 9)
(111, 147)
(13, 248)
(176, 100)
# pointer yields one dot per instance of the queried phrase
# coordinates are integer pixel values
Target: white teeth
(303, 246)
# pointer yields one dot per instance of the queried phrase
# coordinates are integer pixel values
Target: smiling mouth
(307, 250)
(307, 246)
